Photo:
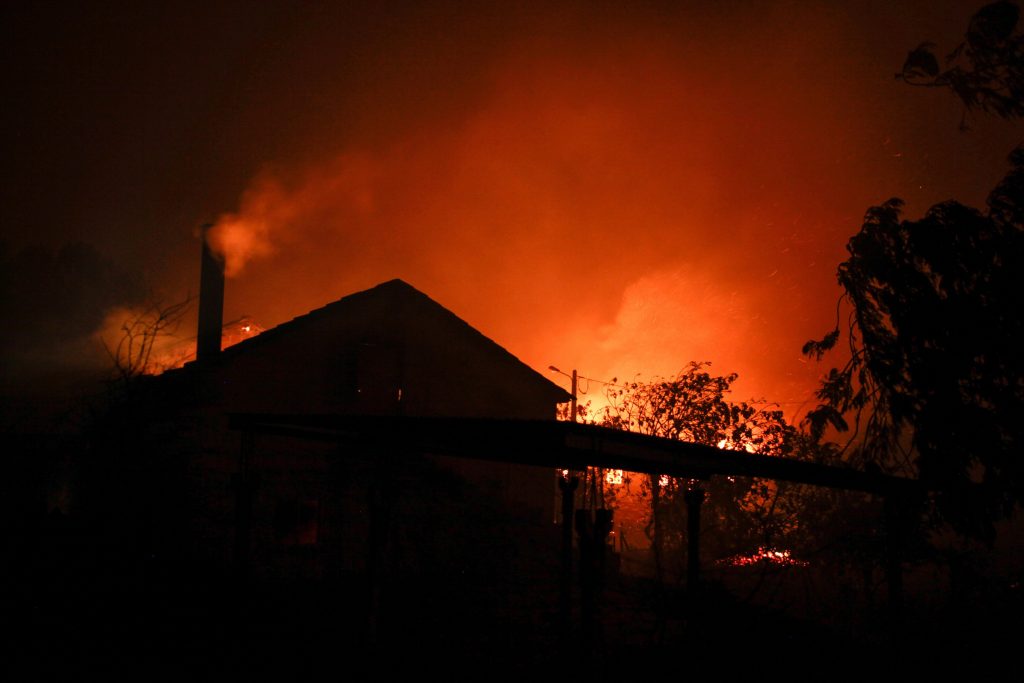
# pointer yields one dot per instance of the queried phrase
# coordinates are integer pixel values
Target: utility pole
(573, 401)
(567, 483)
(574, 377)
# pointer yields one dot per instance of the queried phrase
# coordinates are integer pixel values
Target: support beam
(895, 512)
(694, 497)
(567, 485)
(593, 535)
(382, 493)
(244, 484)
(562, 445)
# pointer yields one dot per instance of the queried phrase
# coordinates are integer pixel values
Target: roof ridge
(394, 285)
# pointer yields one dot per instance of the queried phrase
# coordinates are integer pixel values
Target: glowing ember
(614, 477)
(239, 330)
(170, 351)
(730, 445)
(767, 556)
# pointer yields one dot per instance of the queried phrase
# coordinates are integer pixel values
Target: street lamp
(567, 483)
(572, 403)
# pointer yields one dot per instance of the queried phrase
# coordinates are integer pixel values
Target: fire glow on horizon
(620, 188)
(623, 190)
(172, 350)
(577, 211)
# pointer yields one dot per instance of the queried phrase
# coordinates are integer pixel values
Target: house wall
(373, 360)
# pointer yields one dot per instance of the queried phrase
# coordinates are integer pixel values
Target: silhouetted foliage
(141, 331)
(692, 406)
(985, 71)
(934, 333)
(744, 514)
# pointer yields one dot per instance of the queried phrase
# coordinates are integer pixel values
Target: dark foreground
(320, 631)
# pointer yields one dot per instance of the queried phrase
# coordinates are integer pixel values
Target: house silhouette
(329, 513)
(389, 350)
(219, 517)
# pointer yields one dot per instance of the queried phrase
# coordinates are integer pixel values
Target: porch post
(694, 497)
(243, 485)
(895, 512)
(593, 534)
(567, 485)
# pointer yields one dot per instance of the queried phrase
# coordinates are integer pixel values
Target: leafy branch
(985, 71)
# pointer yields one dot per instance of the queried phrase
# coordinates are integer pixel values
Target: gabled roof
(394, 295)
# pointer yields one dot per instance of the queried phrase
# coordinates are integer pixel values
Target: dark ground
(313, 631)
(79, 603)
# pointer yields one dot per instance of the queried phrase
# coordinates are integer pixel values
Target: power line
(752, 402)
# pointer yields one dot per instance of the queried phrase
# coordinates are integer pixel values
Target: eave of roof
(395, 288)
(560, 445)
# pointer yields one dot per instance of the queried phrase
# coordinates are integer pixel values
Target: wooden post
(572, 405)
(895, 511)
(567, 485)
(694, 497)
(383, 482)
(243, 485)
(593, 535)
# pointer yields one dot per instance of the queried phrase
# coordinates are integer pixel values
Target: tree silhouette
(141, 331)
(934, 328)
(935, 332)
(985, 71)
(694, 406)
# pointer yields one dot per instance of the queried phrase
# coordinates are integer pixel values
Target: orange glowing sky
(615, 189)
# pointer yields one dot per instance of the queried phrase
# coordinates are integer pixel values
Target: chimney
(211, 301)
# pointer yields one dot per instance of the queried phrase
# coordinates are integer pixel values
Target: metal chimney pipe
(211, 301)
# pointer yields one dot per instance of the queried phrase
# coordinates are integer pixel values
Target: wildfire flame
(170, 351)
(767, 556)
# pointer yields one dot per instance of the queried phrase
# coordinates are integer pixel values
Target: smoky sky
(620, 188)
(52, 301)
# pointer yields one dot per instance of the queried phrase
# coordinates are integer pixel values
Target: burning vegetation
(765, 555)
(146, 341)
(747, 521)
